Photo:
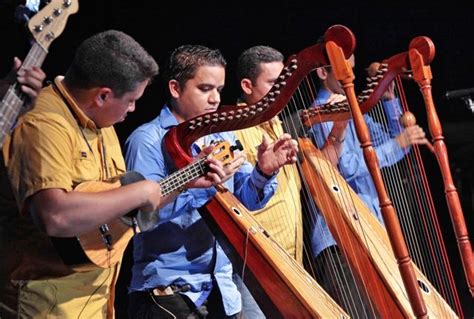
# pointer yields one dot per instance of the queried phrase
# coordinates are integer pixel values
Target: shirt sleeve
(41, 157)
(386, 147)
(319, 133)
(393, 112)
(351, 161)
(249, 186)
(253, 189)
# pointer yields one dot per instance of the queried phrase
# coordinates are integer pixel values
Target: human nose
(215, 97)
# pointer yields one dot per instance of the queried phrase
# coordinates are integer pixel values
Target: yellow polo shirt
(54, 146)
(282, 216)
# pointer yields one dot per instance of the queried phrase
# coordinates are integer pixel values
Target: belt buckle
(168, 291)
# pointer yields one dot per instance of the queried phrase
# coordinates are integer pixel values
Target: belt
(168, 291)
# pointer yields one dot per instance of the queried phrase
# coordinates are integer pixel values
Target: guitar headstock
(49, 22)
(224, 152)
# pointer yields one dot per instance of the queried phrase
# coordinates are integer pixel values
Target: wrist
(267, 176)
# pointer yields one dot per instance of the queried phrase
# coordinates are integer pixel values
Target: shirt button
(206, 286)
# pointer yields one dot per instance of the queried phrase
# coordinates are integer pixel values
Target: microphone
(459, 93)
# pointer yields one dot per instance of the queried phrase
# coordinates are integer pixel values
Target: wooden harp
(413, 65)
(422, 297)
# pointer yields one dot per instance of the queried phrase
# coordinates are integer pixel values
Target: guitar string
(34, 57)
(175, 180)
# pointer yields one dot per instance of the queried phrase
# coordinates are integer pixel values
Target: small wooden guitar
(104, 247)
(45, 26)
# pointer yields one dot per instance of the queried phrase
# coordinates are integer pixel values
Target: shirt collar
(323, 96)
(82, 118)
(167, 119)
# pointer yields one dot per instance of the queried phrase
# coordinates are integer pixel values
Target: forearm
(65, 214)
(254, 190)
(393, 112)
(333, 147)
(390, 152)
(184, 203)
(332, 151)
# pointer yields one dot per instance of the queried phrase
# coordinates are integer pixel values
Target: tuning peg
(237, 146)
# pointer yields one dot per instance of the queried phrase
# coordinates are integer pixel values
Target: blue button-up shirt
(352, 165)
(180, 249)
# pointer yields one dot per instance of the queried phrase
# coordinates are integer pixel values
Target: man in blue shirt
(178, 265)
(390, 147)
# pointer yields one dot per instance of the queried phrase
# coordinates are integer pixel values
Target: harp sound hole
(424, 287)
(236, 211)
(335, 188)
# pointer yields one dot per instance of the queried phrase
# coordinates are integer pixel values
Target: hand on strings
(230, 169)
(336, 98)
(31, 79)
(412, 135)
(273, 155)
(372, 72)
(214, 176)
(390, 92)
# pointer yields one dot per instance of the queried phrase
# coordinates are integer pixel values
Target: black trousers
(334, 275)
(147, 306)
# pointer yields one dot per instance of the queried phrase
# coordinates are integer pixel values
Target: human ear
(322, 73)
(174, 88)
(246, 85)
(100, 99)
(102, 95)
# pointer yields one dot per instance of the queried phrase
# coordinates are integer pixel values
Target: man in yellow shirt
(257, 70)
(66, 139)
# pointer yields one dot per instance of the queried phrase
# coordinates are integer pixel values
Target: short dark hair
(248, 63)
(186, 59)
(112, 59)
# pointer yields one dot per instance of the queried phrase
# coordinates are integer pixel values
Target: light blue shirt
(352, 165)
(181, 249)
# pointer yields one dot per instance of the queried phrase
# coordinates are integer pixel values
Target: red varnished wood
(422, 75)
(292, 292)
(343, 73)
(396, 65)
(333, 195)
(422, 306)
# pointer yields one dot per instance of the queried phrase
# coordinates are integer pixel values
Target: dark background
(290, 26)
